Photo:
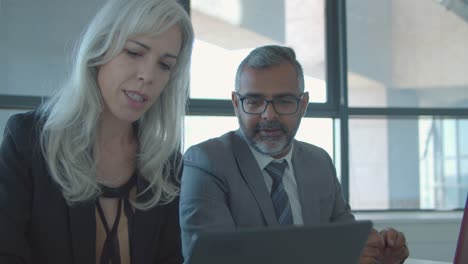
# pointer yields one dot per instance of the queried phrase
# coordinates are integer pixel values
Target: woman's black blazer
(38, 226)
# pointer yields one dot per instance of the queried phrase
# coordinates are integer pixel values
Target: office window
(408, 104)
(444, 160)
(411, 163)
(201, 128)
(227, 31)
(407, 54)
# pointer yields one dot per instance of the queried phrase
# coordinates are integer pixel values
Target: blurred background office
(388, 84)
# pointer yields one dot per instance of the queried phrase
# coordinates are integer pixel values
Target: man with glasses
(260, 175)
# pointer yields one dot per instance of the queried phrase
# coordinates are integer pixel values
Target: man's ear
(304, 103)
(235, 102)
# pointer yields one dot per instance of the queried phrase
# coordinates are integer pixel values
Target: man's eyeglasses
(283, 105)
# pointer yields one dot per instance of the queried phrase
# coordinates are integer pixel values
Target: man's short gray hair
(268, 56)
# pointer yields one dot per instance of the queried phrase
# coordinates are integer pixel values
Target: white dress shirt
(289, 181)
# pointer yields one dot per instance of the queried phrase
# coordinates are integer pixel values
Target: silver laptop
(331, 243)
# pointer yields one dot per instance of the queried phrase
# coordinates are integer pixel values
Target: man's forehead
(269, 81)
(273, 95)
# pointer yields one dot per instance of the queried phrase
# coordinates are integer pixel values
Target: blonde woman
(92, 175)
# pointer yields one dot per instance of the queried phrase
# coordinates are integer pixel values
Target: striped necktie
(278, 193)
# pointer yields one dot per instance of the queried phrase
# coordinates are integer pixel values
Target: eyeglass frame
(243, 97)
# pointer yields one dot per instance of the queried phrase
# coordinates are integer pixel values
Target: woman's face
(132, 81)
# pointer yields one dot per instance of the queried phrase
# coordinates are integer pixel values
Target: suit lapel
(82, 219)
(252, 175)
(307, 185)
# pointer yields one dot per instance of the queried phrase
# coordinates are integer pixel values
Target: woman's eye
(133, 53)
(165, 66)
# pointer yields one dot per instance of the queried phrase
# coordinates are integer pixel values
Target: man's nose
(270, 112)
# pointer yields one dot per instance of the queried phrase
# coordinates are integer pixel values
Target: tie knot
(276, 169)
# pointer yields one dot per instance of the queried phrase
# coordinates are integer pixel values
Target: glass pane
(317, 131)
(463, 140)
(407, 53)
(227, 31)
(37, 41)
(449, 133)
(201, 128)
(406, 164)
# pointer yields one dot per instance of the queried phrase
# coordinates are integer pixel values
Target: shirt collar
(263, 160)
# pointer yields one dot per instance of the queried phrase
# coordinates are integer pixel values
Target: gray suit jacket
(223, 187)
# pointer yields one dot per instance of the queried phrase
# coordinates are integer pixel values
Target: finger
(400, 241)
(400, 256)
(372, 252)
(384, 235)
(389, 236)
(375, 239)
(396, 254)
(406, 254)
(405, 249)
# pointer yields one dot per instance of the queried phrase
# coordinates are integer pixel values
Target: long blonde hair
(71, 116)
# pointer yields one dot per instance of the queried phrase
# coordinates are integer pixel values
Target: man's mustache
(273, 125)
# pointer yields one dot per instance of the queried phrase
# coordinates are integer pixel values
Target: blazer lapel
(252, 175)
(306, 185)
(82, 219)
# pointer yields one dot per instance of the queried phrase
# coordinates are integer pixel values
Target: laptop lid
(331, 243)
(461, 253)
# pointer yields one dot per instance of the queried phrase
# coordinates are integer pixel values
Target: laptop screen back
(461, 254)
(332, 243)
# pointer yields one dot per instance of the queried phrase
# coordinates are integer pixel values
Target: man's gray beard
(278, 148)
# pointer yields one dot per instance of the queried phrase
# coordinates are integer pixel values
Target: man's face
(269, 132)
